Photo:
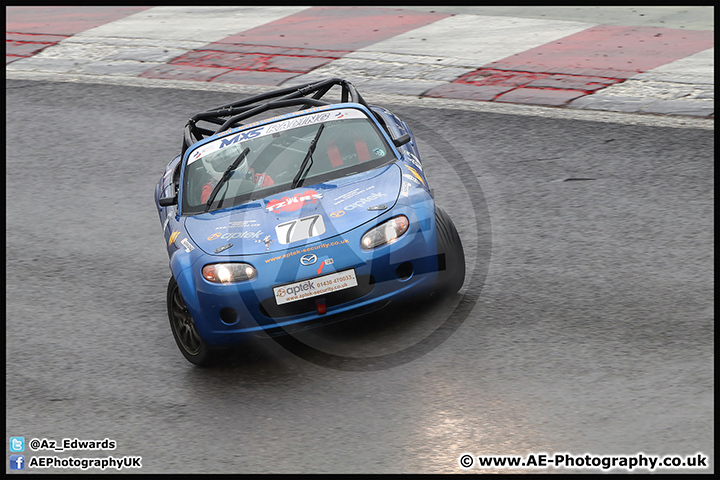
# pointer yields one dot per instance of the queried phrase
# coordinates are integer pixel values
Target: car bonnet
(297, 217)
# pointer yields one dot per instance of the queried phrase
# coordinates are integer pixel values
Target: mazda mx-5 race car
(286, 210)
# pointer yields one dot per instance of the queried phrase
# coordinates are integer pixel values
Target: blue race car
(303, 217)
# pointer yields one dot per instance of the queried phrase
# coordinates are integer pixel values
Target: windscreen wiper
(225, 176)
(307, 161)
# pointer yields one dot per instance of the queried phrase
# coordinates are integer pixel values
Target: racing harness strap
(362, 150)
(336, 160)
(334, 154)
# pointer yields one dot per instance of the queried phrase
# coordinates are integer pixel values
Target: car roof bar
(230, 115)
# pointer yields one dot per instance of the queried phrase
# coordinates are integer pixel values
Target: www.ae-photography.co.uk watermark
(628, 463)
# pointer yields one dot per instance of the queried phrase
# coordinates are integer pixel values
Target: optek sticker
(232, 235)
(359, 203)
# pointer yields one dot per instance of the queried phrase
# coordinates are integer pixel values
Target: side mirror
(168, 201)
(401, 140)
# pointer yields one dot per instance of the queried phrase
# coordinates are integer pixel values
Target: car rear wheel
(188, 340)
(451, 257)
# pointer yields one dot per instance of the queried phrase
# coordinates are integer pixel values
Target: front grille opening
(228, 315)
(404, 271)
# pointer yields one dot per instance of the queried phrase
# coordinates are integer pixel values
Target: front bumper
(225, 314)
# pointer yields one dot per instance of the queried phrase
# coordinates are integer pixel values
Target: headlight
(385, 233)
(228, 272)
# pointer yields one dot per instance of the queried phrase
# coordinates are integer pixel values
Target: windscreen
(276, 157)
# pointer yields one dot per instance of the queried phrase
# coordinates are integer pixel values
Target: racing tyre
(188, 340)
(451, 257)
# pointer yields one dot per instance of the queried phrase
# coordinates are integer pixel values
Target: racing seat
(360, 149)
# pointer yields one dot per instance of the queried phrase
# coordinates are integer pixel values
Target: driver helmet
(216, 164)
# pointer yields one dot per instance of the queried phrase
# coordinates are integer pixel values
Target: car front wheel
(188, 340)
(451, 257)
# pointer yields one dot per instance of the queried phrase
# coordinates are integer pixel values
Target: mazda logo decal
(308, 259)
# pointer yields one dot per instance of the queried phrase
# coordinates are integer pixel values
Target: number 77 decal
(300, 229)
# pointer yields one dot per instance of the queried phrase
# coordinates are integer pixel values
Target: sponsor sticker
(188, 246)
(415, 161)
(267, 241)
(292, 253)
(232, 235)
(416, 174)
(315, 286)
(359, 203)
(327, 261)
(294, 203)
(411, 178)
(351, 193)
(313, 117)
(239, 224)
(299, 122)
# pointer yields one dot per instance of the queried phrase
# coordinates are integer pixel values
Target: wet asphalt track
(591, 333)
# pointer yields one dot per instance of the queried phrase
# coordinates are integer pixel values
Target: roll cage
(232, 115)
